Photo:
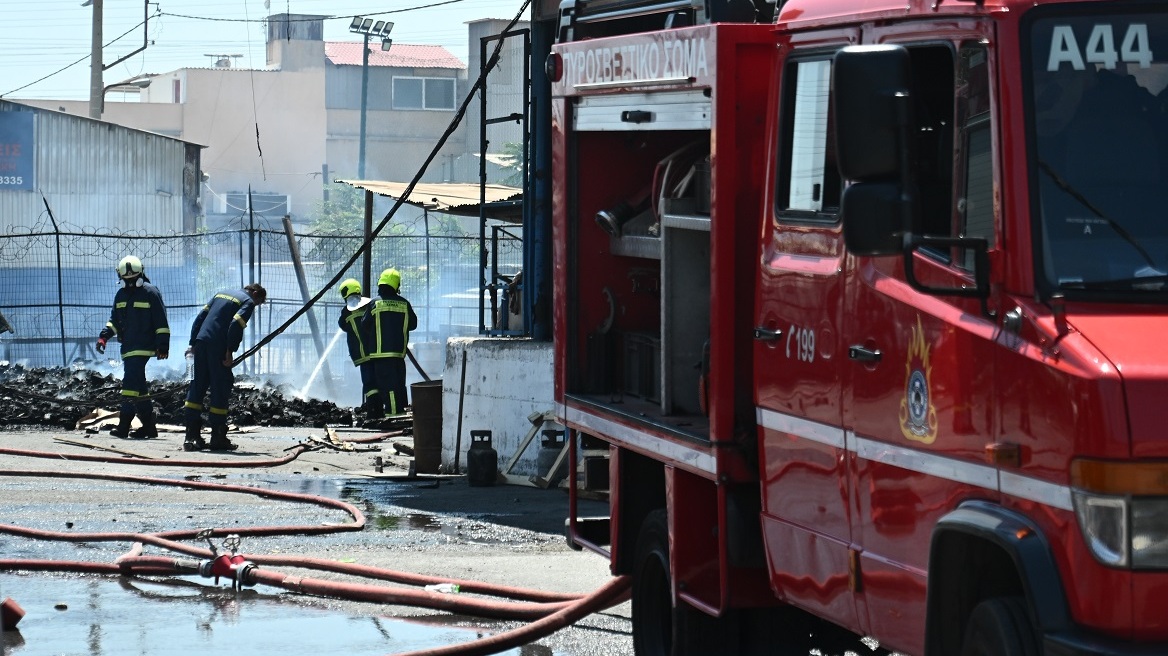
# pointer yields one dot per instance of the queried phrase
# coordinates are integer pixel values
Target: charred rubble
(59, 397)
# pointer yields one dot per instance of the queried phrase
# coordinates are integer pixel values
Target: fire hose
(234, 464)
(550, 611)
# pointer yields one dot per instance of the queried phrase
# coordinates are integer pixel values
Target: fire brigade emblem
(918, 417)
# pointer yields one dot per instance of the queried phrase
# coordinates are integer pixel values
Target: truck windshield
(1099, 95)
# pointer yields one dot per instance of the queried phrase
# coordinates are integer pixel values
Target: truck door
(918, 403)
(798, 353)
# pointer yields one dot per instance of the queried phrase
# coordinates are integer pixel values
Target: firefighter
(215, 335)
(386, 327)
(138, 320)
(350, 322)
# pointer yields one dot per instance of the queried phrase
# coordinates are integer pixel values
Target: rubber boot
(219, 441)
(194, 441)
(123, 427)
(149, 428)
(373, 413)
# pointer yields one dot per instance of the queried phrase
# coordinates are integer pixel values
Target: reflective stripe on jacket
(222, 320)
(387, 325)
(138, 320)
(350, 322)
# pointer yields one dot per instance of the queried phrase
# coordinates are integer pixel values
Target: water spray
(319, 364)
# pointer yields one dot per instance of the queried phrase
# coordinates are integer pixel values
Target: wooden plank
(102, 448)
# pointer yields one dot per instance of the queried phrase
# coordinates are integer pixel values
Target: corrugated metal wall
(97, 176)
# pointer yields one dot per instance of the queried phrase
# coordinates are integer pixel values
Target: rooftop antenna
(222, 61)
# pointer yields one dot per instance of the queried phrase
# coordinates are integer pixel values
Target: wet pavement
(435, 526)
(104, 616)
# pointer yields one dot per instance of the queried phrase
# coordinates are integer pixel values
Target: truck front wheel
(1000, 627)
(652, 593)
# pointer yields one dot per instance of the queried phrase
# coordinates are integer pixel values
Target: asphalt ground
(431, 525)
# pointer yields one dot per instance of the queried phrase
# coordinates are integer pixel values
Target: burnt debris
(59, 397)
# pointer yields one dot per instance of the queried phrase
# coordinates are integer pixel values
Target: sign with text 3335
(17, 165)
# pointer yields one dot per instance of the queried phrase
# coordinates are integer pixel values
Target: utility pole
(96, 83)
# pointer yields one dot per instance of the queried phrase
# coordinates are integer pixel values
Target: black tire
(652, 592)
(1000, 627)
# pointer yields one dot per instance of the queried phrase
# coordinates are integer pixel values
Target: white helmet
(129, 267)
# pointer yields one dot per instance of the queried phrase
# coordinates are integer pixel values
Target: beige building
(286, 131)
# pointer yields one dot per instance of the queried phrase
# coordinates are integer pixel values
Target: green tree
(514, 166)
(342, 214)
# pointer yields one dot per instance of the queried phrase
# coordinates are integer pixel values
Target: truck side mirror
(873, 115)
(981, 266)
(872, 96)
(873, 216)
(870, 88)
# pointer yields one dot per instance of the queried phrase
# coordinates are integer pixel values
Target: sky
(52, 39)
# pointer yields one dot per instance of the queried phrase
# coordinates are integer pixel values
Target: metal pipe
(367, 263)
(484, 69)
(294, 251)
(60, 281)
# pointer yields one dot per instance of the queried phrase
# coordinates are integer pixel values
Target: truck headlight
(1103, 521)
(1122, 508)
(1149, 532)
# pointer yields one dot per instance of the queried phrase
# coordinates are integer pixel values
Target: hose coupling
(231, 567)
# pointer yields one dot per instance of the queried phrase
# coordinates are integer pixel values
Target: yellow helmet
(390, 277)
(129, 267)
(350, 287)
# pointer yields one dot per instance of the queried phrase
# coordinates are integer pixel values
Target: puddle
(383, 522)
(112, 617)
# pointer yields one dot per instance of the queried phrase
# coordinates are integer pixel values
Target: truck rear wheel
(652, 593)
(1000, 627)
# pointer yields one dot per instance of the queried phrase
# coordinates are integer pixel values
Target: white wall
(506, 380)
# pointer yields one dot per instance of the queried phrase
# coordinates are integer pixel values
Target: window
(975, 206)
(933, 90)
(423, 93)
(810, 186)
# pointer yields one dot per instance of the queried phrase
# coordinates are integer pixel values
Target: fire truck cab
(857, 316)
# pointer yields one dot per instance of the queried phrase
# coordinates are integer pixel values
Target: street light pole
(367, 28)
(364, 104)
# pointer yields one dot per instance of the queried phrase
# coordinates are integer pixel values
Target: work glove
(101, 345)
(162, 355)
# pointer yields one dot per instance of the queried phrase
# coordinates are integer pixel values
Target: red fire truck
(856, 319)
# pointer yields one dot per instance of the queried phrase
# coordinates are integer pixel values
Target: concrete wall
(506, 380)
(289, 107)
(162, 118)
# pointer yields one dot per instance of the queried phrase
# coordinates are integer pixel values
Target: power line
(62, 70)
(308, 20)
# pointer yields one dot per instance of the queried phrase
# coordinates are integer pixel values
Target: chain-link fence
(59, 283)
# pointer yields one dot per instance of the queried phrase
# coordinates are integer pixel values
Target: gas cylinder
(549, 452)
(482, 461)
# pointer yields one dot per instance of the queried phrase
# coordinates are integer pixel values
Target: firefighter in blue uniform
(355, 308)
(216, 333)
(138, 320)
(386, 327)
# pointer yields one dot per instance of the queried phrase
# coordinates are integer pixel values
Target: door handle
(864, 354)
(765, 335)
